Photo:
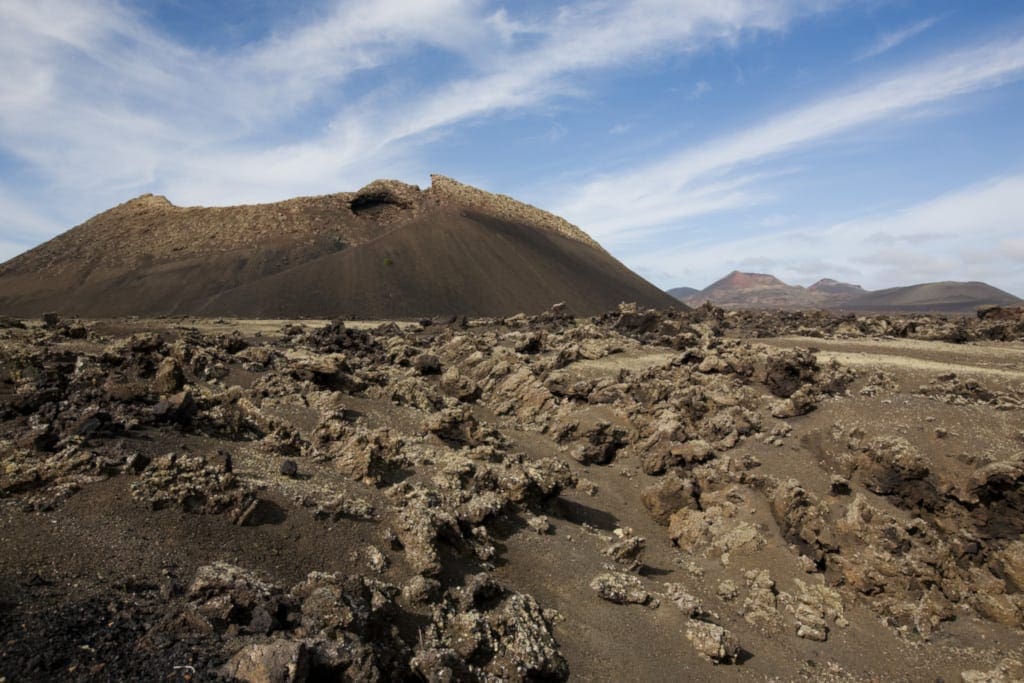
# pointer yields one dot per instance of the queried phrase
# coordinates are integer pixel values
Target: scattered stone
(427, 364)
(626, 549)
(538, 523)
(342, 506)
(761, 605)
(713, 642)
(376, 560)
(488, 632)
(620, 588)
(817, 606)
(1007, 671)
(459, 387)
(193, 484)
(669, 495)
(279, 661)
(727, 590)
(169, 377)
(599, 444)
(685, 601)
(840, 485)
(421, 590)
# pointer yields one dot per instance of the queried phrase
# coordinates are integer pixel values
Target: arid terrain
(388, 250)
(640, 495)
(739, 290)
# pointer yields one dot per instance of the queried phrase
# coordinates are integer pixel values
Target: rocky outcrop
(445, 189)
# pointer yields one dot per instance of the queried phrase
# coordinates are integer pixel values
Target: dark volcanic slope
(150, 257)
(329, 255)
(933, 296)
(834, 288)
(448, 261)
(682, 293)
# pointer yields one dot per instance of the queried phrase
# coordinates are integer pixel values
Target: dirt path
(1004, 361)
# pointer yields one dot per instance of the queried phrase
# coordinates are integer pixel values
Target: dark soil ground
(767, 505)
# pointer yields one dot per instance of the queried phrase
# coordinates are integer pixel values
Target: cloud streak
(98, 104)
(657, 192)
(894, 39)
(969, 234)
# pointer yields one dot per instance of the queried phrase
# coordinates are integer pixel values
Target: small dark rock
(137, 462)
(840, 486)
(179, 407)
(530, 345)
(427, 364)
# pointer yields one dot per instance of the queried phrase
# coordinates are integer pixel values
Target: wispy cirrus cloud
(719, 171)
(932, 240)
(575, 40)
(99, 104)
(893, 39)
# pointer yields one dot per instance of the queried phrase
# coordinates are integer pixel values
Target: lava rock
(713, 642)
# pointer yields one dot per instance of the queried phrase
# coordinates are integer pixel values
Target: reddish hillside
(753, 290)
(737, 280)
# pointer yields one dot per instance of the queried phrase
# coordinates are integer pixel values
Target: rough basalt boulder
(713, 642)
(670, 495)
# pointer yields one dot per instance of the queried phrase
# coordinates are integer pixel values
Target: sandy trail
(1005, 361)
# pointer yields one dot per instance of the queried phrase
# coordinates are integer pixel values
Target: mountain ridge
(760, 290)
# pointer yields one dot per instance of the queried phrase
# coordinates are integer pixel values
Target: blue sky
(871, 141)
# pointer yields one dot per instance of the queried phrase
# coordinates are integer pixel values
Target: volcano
(389, 250)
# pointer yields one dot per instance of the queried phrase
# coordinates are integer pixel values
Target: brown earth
(700, 495)
(389, 250)
(447, 262)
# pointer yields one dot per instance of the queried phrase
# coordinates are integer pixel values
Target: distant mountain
(737, 280)
(683, 293)
(953, 297)
(835, 288)
(754, 290)
(760, 290)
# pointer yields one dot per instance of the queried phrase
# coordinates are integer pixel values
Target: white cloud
(97, 101)
(970, 234)
(888, 41)
(658, 193)
(587, 37)
(102, 105)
